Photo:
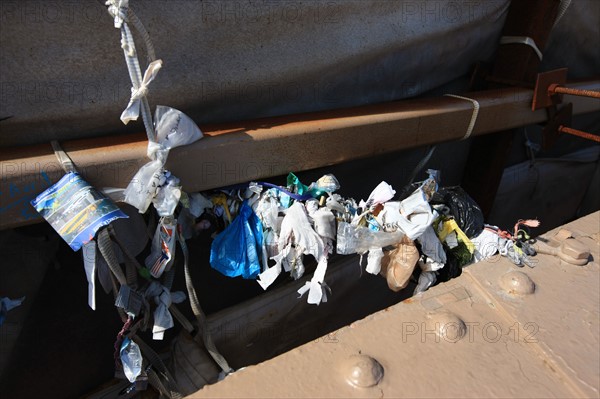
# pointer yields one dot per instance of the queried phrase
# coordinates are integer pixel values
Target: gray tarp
(64, 76)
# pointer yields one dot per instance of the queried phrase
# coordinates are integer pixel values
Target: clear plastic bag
(173, 129)
(355, 239)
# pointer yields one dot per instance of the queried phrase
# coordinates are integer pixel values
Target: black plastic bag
(463, 208)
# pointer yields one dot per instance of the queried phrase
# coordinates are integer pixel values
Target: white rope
(138, 102)
(473, 116)
(522, 40)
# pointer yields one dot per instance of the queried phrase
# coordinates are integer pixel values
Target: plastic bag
(399, 264)
(167, 197)
(173, 129)
(131, 357)
(236, 251)
(355, 239)
(463, 208)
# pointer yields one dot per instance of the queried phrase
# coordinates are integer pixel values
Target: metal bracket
(543, 96)
(556, 119)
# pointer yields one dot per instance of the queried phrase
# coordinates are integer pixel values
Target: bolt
(558, 89)
(578, 133)
(517, 283)
(362, 371)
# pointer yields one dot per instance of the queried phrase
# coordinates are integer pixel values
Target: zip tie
(65, 162)
(522, 40)
(473, 116)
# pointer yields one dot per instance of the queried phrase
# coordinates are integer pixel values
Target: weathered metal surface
(518, 63)
(467, 337)
(241, 152)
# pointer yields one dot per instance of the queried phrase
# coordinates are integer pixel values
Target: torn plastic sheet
(235, 252)
(131, 358)
(198, 204)
(380, 194)
(89, 264)
(75, 209)
(296, 237)
(315, 287)
(162, 253)
(6, 305)
(129, 300)
(432, 247)
(173, 129)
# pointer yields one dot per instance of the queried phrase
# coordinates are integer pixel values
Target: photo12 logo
(454, 331)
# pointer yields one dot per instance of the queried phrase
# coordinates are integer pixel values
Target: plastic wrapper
(76, 210)
(162, 253)
(237, 250)
(326, 184)
(463, 208)
(131, 358)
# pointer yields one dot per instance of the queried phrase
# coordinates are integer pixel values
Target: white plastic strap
(132, 112)
(89, 263)
(522, 40)
(65, 161)
(473, 116)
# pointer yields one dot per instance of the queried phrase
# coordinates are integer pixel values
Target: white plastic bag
(297, 234)
(173, 129)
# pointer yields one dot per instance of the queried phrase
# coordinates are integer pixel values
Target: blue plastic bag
(235, 252)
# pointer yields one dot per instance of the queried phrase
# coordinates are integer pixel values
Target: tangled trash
(259, 230)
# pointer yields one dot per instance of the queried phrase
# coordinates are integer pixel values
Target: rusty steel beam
(245, 151)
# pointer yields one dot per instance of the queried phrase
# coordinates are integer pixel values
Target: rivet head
(517, 283)
(362, 371)
(447, 326)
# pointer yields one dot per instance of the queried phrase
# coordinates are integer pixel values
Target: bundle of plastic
(261, 230)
